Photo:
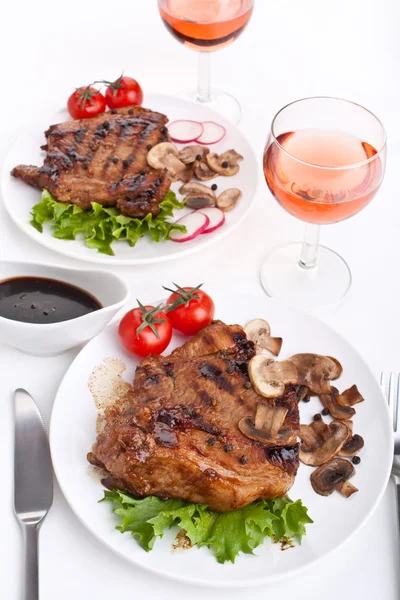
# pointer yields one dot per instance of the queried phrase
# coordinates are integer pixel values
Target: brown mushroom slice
(336, 410)
(196, 188)
(202, 171)
(302, 392)
(350, 397)
(228, 199)
(352, 446)
(316, 371)
(199, 200)
(320, 442)
(225, 164)
(331, 476)
(267, 424)
(268, 377)
(185, 175)
(165, 156)
(347, 489)
(189, 154)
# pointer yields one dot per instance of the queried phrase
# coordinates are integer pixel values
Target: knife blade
(33, 483)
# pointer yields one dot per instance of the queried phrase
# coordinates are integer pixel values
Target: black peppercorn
(224, 165)
(325, 411)
(317, 417)
(106, 125)
(113, 111)
(356, 460)
(125, 163)
(214, 187)
(149, 147)
(211, 441)
(243, 460)
(115, 159)
(228, 448)
(306, 399)
(247, 385)
(164, 130)
(142, 172)
(130, 111)
(198, 157)
(45, 312)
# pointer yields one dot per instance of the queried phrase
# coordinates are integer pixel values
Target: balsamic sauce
(41, 300)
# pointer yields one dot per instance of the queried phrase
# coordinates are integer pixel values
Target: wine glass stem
(203, 78)
(309, 251)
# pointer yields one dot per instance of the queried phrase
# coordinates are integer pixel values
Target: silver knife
(33, 484)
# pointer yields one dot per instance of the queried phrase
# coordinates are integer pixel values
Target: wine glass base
(310, 290)
(221, 102)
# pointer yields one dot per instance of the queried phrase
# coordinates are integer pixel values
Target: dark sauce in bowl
(41, 300)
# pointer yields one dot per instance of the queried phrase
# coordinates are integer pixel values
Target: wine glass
(324, 161)
(207, 26)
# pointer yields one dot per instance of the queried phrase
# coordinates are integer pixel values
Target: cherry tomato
(137, 327)
(86, 102)
(190, 310)
(125, 91)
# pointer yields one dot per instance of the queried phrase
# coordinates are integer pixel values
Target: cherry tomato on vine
(145, 330)
(125, 91)
(86, 102)
(189, 309)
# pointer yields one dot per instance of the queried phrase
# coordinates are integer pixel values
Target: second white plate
(19, 198)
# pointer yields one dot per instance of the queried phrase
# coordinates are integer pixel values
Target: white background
(291, 49)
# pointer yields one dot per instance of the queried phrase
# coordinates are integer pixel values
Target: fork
(392, 393)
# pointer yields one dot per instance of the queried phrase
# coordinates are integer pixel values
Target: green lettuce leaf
(100, 226)
(225, 534)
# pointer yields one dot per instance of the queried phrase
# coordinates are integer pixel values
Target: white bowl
(52, 338)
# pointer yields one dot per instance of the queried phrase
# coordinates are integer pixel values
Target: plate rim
(271, 578)
(100, 259)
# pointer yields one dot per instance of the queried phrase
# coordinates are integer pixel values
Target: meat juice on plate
(302, 170)
(206, 25)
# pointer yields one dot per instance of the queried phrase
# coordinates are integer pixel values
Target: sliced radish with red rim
(212, 133)
(184, 132)
(215, 216)
(195, 223)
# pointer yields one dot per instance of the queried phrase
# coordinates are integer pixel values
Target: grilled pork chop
(177, 435)
(103, 159)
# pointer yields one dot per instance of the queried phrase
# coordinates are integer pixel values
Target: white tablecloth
(290, 50)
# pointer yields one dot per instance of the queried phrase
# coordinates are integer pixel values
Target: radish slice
(184, 132)
(215, 216)
(195, 224)
(212, 133)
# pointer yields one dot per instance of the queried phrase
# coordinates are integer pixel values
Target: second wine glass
(207, 26)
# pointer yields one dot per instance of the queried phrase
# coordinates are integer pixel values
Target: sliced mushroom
(225, 164)
(267, 426)
(228, 199)
(197, 188)
(203, 171)
(190, 154)
(320, 442)
(185, 175)
(316, 371)
(269, 378)
(165, 156)
(259, 332)
(331, 476)
(347, 489)
(350, 397)
(199, 200)
(336, 410)
(352, 446)
(301, 392)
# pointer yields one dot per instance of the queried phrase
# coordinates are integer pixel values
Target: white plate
(336, 519)
(19, 198)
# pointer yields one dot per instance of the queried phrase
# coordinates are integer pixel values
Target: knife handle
(30, 586)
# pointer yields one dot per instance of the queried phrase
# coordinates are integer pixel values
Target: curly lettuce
(100, 226)
(225, 534)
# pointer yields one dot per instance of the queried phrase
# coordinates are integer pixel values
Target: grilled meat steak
(176, 436)
(103, 159)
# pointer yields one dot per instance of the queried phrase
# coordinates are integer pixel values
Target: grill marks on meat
(103, 159)
(179, 438)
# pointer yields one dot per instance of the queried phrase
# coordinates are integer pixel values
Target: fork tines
(391, 389)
